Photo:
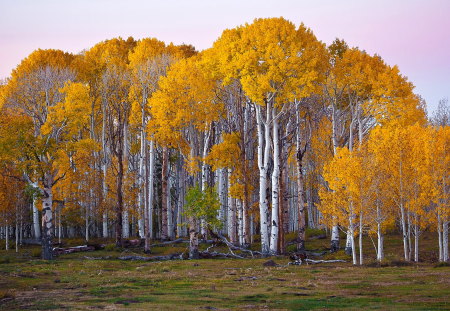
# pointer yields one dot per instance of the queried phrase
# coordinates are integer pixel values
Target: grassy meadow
(73, 282)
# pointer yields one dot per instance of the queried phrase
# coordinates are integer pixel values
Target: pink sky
(413, 34)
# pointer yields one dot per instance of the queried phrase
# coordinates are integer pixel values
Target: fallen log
(307, 260)
(74, 249)
(324, 261)
(154, 258)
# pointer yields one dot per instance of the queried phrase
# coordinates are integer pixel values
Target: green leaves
(203, 205)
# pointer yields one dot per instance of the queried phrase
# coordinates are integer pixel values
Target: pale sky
(414, 34)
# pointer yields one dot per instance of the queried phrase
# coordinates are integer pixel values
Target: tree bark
(193, 238)
(275, 190)
(47, 214)
(445, 240)
(164, 177)
(119, 190)
(263, 161)
(36, 227)
(151, 187)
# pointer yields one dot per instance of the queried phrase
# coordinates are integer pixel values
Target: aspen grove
(267, 132)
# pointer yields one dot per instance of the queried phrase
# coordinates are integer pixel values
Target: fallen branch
(209, 255)
(232, 247)
(324, 261)
(143, 258)
(97, 258)
(299, 261)
(74, 249)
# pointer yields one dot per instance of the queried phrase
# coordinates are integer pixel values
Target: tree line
(267, 132)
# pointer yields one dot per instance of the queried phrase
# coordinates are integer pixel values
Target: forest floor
(73, 282)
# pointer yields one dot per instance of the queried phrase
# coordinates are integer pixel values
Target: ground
(74, 283)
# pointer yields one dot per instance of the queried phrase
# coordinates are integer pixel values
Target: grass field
(74, 283)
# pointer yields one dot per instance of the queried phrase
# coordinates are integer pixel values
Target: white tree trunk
(351, 234)
(335, 228)
(193, 238)
(86, 222)
(380, 252)
(7, 236)
(170, 230)
(439, 231)
(416, 242)
(104, 169)
(275, 190)
(204, 175)
(36, 227)
(59, 226)
(335, 238)
(232, 220)
(150, 187)
(125, 224)
(263, 161)
(348, 243)
(445, 240)
(361, 260)
(17, 232)
(222, 195)
(47, 215)
(404, 232)
(239, 208)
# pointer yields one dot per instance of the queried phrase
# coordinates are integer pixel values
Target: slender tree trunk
(409, 233)
(151, 187)
(164, 177)
(240, 222)
(145, 207)
(283, 215)
(275, 190)
(17, 231)
(119, 190)
(404, 231)
(445, 240)
(380, 252)
(439, 231)
(47, 215)
(301, 235)
(335, 238)
(361, 260)
(204, 181)
(263, 161)
(310, 204)
(170, 224)
(36, 227)
(193, 238)
(351, 233)
(7, 236)
(232, 228)
(222, 195)
(181, 196)
(59, 226)
(86, 225)
(104, 169)
(335, 228)
(416, 241)
(244, 156)
(125, 223)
